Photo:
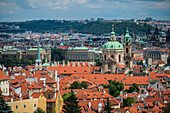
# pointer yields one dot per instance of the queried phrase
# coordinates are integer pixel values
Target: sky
(21, 10)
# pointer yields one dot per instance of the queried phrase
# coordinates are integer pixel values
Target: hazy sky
(14, 10)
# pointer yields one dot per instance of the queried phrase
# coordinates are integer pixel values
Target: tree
(84, 84)
(77, 85)
(128, 101)
(107, 107)
(4, 108)
(133, 88)
(71, 104)
(167, 109)
(39, 110)
(114, 87)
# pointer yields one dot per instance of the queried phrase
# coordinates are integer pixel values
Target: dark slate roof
(155, 52)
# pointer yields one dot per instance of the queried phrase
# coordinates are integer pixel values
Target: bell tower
(38, 62)
(127, 53)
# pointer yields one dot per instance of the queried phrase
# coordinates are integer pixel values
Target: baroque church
(117, 58)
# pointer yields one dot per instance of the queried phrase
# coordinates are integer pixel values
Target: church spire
(112, 34)
(38, 51)
(127, 36)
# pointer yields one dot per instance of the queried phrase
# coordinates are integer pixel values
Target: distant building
(29, 53)
(153, 39)
(156, 55)
(82, 54)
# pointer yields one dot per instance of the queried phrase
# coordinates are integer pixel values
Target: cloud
(3, 4)
(81, 9)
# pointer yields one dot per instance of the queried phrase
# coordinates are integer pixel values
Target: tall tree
(4, 108)
(71, 104)
(107, 107)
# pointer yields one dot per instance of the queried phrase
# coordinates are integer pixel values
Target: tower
(112, 34)
(38, 62)
(127, 53)
(90, 41)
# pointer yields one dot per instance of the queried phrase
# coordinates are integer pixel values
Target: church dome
(112, 45)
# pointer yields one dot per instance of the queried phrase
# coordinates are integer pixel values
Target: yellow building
(28, 105)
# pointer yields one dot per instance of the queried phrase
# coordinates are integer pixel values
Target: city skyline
(20, 10)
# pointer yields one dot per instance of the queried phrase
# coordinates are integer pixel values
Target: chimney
(56, 75)
(83, 63)
(58, 63)
(99, 106)
(63, 63)
(73, 64)
(89, 104)
(78, 64)
(55, 64)
(20, 95)
(57, 79)
(68, 64)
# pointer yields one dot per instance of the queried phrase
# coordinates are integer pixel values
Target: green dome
(46, 64)
(112, 45)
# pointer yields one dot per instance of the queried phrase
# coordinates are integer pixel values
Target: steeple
(90, 41)
(112, 34)
(38, 51)
(127, 36)
(38, 62)
(81, 43)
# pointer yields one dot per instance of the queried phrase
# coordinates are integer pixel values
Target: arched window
(104, 57)
(119, 58)
(112, 56)
(127, 51)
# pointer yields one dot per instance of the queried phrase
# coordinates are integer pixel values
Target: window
(119, 58)
(104, 57)
(127, 62)
(16, 106)
(24, 106)
(127, 51)
(112, 56)
(157, 85)
(35, 105)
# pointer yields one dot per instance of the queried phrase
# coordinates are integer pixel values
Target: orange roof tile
(3, 76)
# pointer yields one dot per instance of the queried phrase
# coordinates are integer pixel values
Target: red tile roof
(3, 76)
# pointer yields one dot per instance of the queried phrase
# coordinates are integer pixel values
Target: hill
(90, 28)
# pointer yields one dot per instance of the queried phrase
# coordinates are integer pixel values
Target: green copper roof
(38, 60)
(83, 48)
(142, 42)
(46, 64)
(35, 49)
(127, 36)
(112, 45)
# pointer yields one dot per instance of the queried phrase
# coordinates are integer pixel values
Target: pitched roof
(3, 76)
